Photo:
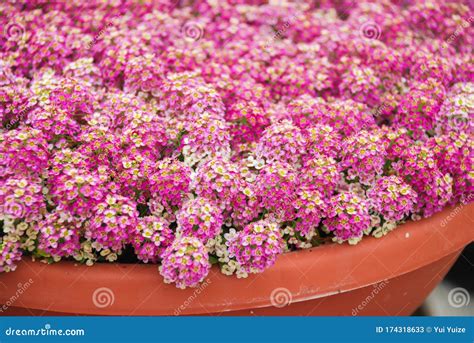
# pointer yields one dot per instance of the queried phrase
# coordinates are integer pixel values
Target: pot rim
(138, 289)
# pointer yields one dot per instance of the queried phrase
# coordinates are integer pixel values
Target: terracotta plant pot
(388, 276)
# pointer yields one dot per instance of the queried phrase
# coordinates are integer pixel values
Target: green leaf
(213, 259)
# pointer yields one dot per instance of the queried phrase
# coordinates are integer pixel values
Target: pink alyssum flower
(200, 218)
(112, 223)
(392, 198)
(185, 262)
(257, 246)
(151, 238)
(10, 254)
(348, 216)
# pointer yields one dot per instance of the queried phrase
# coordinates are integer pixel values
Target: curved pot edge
(283, 274)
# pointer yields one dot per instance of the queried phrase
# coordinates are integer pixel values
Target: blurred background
(455, 295)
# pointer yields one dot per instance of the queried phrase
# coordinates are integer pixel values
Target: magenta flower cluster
(280, 125)
(152, 236)
(185, 262)
(199, 218)
(348, 216)
(392, 198)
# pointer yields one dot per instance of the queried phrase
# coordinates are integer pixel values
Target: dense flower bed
(192, 133)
